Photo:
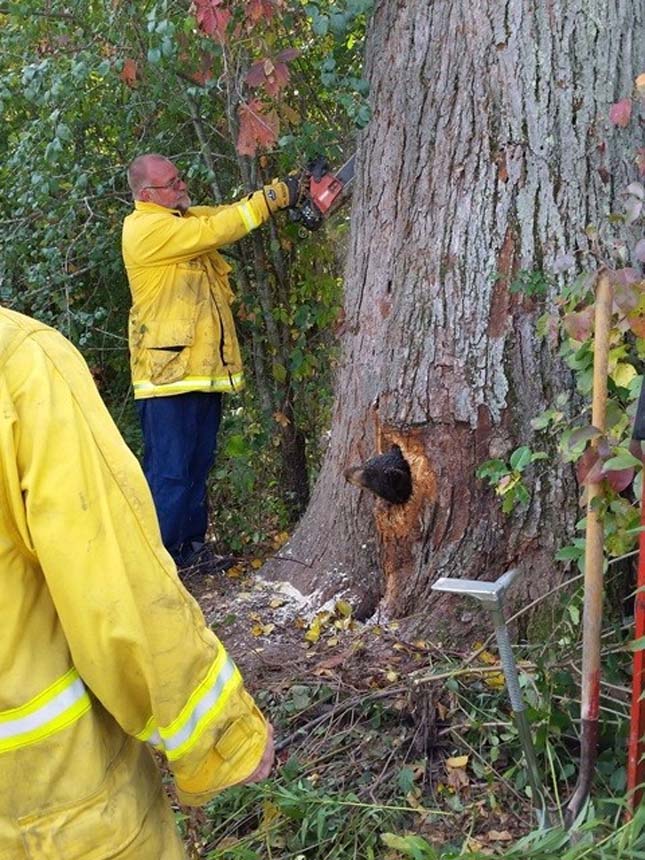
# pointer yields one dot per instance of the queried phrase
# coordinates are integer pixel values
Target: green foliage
(507, 478)
(530, 282)
(85, 90)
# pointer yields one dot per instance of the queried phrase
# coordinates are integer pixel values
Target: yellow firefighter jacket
(181, 331)
(103, 653)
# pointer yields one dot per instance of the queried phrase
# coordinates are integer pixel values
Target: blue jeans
(180, 439)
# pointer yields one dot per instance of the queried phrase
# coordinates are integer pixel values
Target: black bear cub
(386, 475)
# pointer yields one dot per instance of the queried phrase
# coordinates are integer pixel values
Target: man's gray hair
(138, 171)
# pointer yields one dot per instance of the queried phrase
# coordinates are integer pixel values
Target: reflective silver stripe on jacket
(62, 703)
(203, 707)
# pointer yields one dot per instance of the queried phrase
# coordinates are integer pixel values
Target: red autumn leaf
(620, 113)
(256, 10)
(273, 75)
(277, 80)
(579, 324)
(637, 324)
(627, 289)
(287, 55)
(619, 479)
(255, 76)
(129, 72)
(257, 129)
(589, 467)
(212, 18)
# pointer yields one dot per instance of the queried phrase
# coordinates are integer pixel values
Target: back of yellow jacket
(181, 331)
(102, 649)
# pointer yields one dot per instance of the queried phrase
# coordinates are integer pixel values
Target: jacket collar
(145, 206)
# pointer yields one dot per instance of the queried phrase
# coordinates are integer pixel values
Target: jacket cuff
(233, 758)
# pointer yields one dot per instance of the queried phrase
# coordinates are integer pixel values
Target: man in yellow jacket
(183, 346)
(103, 653)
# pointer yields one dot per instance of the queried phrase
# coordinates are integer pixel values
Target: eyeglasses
(174, 184)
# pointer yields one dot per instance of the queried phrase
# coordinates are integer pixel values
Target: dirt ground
(286, 644)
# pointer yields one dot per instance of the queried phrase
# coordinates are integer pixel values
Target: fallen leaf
(277, 602)
(457, 761)
(257, 563)
(499, 836)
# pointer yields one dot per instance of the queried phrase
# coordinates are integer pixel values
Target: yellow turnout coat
(181, 330)
(103, 653)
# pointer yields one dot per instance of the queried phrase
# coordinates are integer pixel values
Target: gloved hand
(286, 193)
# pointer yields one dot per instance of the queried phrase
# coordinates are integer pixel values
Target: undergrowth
(391, 749)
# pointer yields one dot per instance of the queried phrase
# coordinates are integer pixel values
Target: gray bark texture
(488, 154)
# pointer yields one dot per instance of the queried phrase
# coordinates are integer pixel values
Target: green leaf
(279, 371)
(520, 458)
(320, 25)
(624, 460)
(237, 446)
(411, 846)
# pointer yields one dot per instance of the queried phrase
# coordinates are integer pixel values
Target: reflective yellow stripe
(62, 703)
(203, 706)
(251, 221)
(232, 382)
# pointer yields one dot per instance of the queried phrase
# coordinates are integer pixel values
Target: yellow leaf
(262, 629)
(270, 813)
(392, 676)
(281, 419)
(313, 634)
(235, 572)
(343, 608)
(376, 630)
(623, 374)
(277, 602)
(488, 658)
(290, 114)
(332, 642)
(640, 83)
(495, 680)
(256, 563)
(457, 761)
(280, 538)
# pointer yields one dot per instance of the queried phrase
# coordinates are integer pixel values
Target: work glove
(286, 193)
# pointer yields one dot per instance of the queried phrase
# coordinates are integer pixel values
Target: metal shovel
(490, 595)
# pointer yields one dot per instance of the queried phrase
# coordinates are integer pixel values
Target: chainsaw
(324, 192)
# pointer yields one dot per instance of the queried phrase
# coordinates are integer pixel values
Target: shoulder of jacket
(20, 333)
(15, 329)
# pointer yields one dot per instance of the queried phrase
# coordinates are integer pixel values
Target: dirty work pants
(180, 439)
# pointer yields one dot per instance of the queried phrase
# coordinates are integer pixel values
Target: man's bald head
(139, 171)
(153, 178)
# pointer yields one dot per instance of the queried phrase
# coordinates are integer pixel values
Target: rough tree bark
(487, 155)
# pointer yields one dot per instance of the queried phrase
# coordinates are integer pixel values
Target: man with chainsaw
(183, 346)
(103, 653)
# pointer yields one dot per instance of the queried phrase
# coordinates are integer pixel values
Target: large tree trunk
(483, 160)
